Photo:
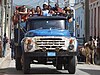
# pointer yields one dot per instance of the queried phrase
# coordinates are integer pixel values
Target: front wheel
(18, 64)
(72, 65)
(65, 66)
(59, 63)
(97, 59)
(26, 65)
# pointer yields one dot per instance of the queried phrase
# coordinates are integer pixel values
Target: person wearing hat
(45, 10)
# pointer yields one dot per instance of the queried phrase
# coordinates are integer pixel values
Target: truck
(45, 40)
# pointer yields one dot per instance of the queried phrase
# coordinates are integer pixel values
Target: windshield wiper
(39, 28)
(59, 28)
(55, 28)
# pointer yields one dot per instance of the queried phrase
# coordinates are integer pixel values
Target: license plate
(51, 53)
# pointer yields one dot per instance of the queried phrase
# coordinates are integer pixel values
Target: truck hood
(48, 32)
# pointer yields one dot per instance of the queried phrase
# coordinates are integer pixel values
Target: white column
(97, 21)
(93, 23)
(90, 27)
(9, 18)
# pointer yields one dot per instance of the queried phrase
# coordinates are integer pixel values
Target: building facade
(79, 18)
(5, 17)
(0, 17)
(69, 3)
(94, 8)
(0, 11)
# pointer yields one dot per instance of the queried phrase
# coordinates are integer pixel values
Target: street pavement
(7, 54)
(37, 69)
(7, 67)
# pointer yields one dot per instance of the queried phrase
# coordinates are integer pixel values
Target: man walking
(5, 40)
(12, 48)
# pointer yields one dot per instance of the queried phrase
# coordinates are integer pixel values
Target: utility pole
(87, 20)
(2, 21)
(5, 5)
(3, 17)
(9, 18)
(11, 31)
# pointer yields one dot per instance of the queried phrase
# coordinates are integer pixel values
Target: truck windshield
(46, 24)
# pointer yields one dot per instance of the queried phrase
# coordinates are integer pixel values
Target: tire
(65, 63)
(58, 63)
(72, 66)
(59, 67)
(65, 66)
(18, 64)
(54, 63)
(96, 59)
(17, 54)
(26, 65)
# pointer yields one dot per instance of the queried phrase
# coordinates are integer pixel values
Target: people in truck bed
(58, 10)
(47, 10)
(32, 12)
(38, 11)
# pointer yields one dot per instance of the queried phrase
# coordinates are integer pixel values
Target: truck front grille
(50, 43)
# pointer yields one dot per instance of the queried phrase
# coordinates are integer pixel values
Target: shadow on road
(90, 71)
(34, 70)
(10, 71)
(47, 71)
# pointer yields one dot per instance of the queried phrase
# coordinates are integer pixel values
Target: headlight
(71, 47)
(28, 44)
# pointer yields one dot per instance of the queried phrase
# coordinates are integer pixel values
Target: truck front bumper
(49, 54)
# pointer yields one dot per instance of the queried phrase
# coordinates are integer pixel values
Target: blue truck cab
(47, 40)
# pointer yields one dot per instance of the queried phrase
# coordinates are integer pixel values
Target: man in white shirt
(45, 10)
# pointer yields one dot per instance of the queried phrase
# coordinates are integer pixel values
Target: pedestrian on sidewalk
(12, 48)
(5, 41)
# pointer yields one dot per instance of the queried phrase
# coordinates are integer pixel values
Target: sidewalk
(7, 54)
